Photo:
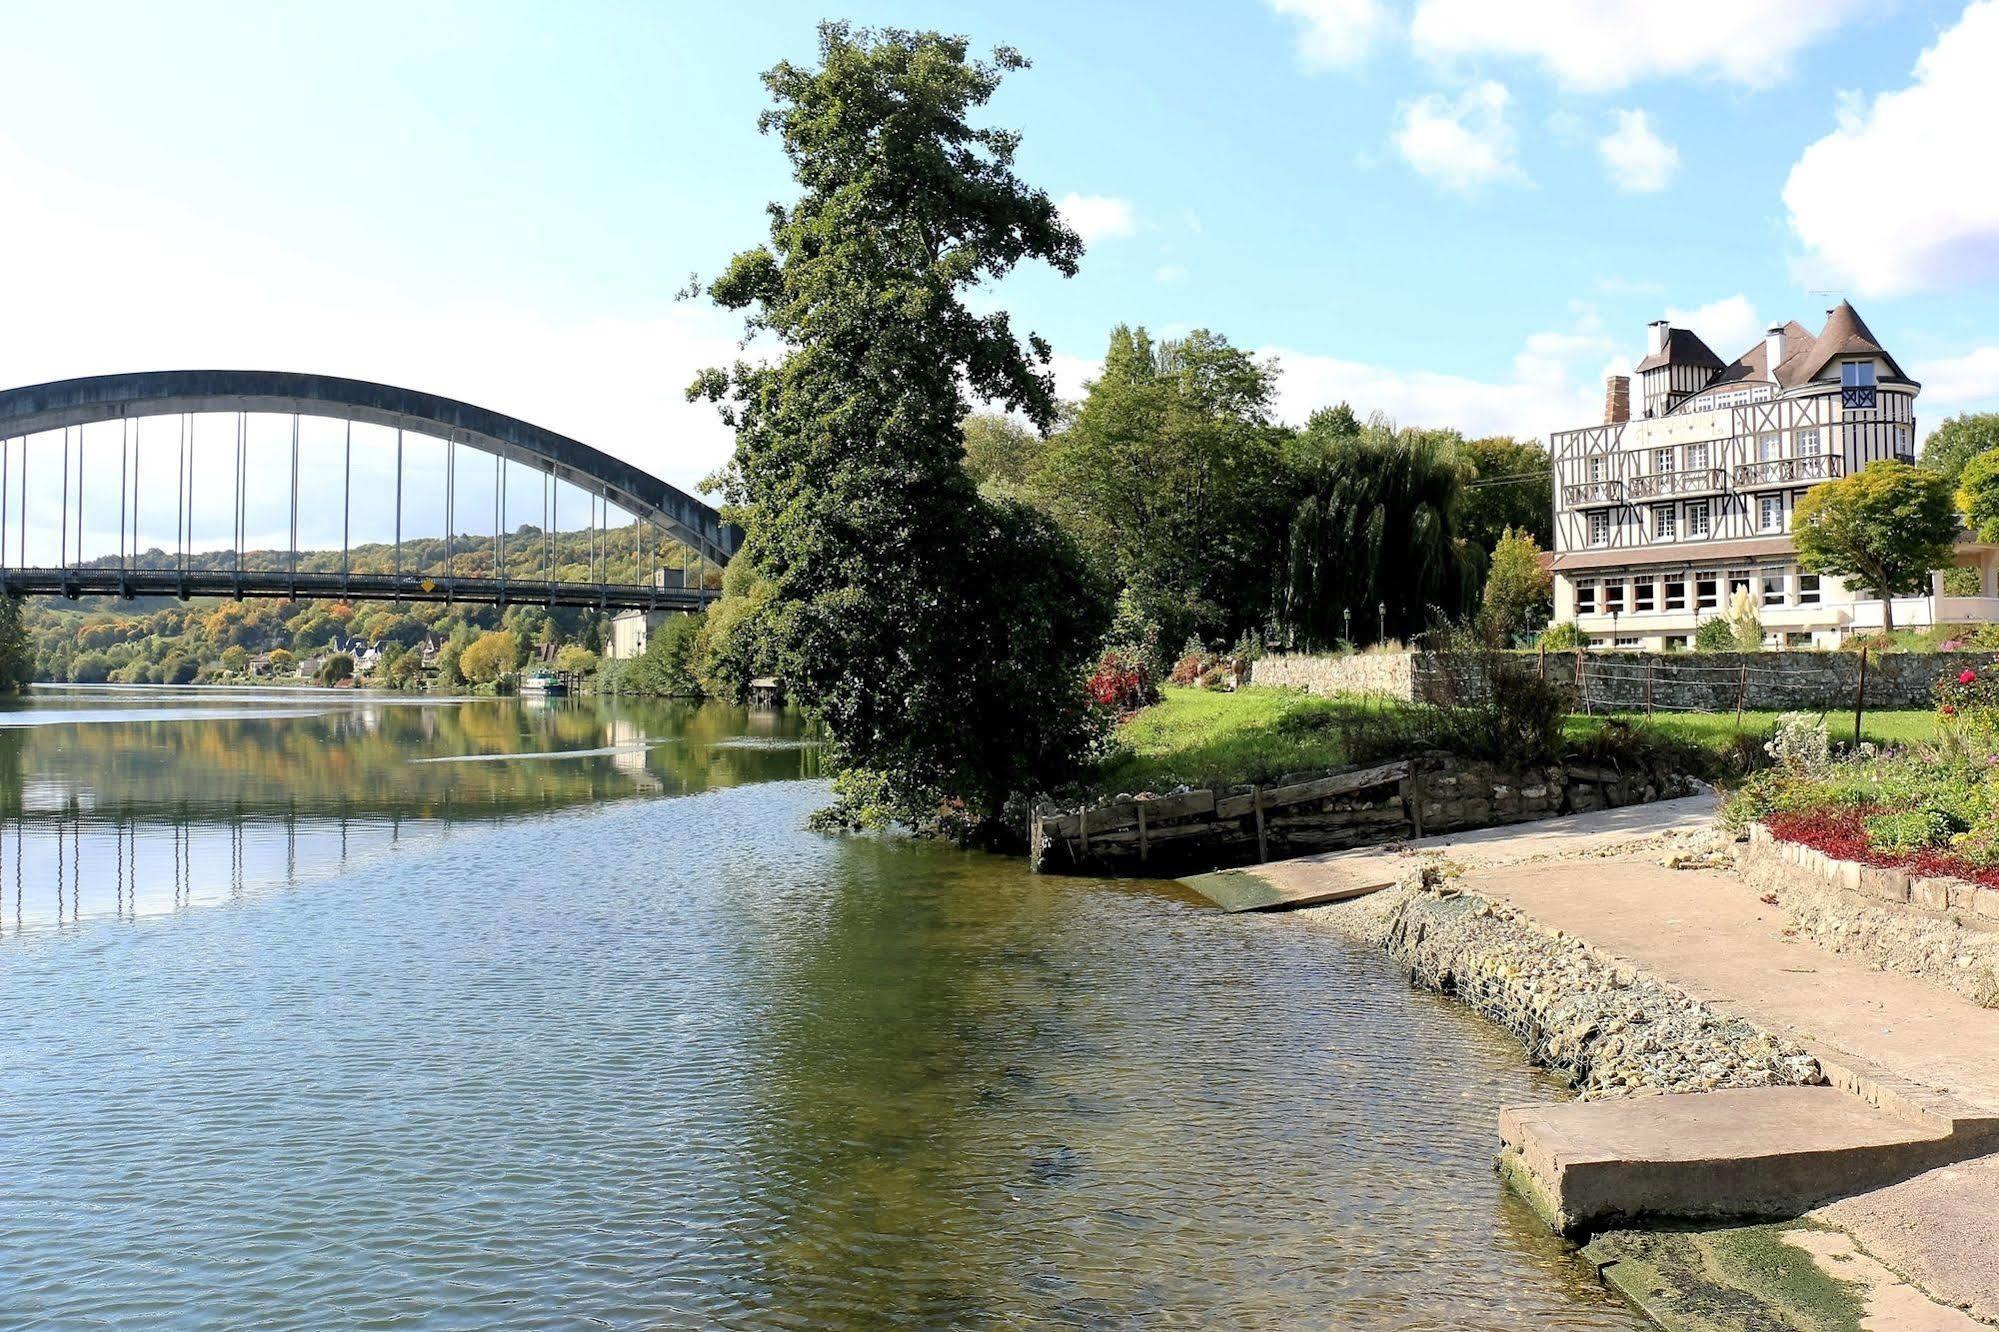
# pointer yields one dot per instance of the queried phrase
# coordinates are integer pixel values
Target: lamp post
(1347, 617)
(1381, 634)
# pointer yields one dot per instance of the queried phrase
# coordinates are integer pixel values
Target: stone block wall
(1619, 681)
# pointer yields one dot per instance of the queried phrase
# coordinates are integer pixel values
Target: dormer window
(1857, 374)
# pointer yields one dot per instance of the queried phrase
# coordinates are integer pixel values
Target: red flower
(1947, 710)
(1968, 677)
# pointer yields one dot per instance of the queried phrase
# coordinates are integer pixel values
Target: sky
(1457, 212)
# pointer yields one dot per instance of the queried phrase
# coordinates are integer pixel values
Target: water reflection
(129, 802)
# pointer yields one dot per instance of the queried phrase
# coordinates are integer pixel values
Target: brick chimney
(1616, 399)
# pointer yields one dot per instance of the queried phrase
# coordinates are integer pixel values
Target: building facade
(1663, 516)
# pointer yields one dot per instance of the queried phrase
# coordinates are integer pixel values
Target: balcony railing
(1775, 472)
(1664, 485)
(1593, 494)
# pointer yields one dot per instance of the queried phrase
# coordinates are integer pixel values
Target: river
(321, 1009)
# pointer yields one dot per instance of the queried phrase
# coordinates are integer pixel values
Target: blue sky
(1458, 212)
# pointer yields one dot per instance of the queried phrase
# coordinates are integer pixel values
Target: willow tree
(1372, 548)
(943, 638)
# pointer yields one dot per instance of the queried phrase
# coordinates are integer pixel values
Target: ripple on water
(678, 1064)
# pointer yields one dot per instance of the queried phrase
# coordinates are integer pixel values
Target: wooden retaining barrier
(1381, 802)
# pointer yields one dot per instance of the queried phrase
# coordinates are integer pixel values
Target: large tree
(1372, 548)
(942, 638)
(1172, 476)
(1508, 483)
(1886, 527)
(1957, 441)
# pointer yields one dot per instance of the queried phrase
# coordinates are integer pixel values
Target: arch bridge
(261, 469)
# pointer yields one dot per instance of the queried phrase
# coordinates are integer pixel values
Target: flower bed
(1842, 834)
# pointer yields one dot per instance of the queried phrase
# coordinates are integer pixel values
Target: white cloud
(121, 283)
(1335, 34)
(1601, 45)
(1169, 273)
(1729, 326)
(1097, 217)
(1639, 161)
(1462, 145)
(1939, 225)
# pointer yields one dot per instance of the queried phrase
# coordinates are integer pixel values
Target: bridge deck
(131, 583)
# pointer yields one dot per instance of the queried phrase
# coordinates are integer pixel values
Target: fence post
(1648, 688)
(1262, 843)
(1741, 695)
(1544, 661)
(1582, 681)
(1860, 696)
(1143, 846)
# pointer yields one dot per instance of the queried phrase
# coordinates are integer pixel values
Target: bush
(1714, 634)
(1562, 637)
(1490, 704)
(1800, 743)
(1909, 831)
(1122, 683)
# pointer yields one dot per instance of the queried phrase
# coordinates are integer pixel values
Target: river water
(324, 1010)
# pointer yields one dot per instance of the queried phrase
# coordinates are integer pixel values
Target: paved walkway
(1909, 1047)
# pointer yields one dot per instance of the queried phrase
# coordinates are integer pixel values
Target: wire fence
(1652, 684)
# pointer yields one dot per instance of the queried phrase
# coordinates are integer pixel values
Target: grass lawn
(1200, 738)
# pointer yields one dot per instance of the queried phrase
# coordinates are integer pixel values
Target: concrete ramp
(1722, 1155)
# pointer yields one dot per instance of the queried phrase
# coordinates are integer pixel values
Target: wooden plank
(1121, 814)
(1340, 783)
(1263, 889)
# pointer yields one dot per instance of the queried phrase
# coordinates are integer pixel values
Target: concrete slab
(1731, 1154)
(1338, 875)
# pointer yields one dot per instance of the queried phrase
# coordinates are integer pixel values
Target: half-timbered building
(1661, 518)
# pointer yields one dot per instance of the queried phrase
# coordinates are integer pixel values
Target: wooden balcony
(1593, 495)
(1666, 485)
(1778, 473)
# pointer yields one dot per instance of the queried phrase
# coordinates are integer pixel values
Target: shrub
(1714, 634)
(1121, 683)
(1961, 580)
(1908, 831)
(1744, 623)
(1800, 744)
(1562, 637)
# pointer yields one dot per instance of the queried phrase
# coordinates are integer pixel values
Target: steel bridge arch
(60, 403)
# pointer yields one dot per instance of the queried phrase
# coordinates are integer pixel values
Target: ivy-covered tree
(1885, 528)
(942, 637)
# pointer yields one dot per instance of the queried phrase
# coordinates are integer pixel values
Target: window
(1798, 639)
(1586, 596)
(1675, 643)
(1596, 467)
(1676, 592)
(1644, 595)
(1697, 518)
(1707, 585)
(1770, 513)
(1613, 596)
(1857, 374)
(1628, 641)
(1696, 457)
(1738, 581)
(1599, 528)
(1662, 460)
(1808, 442)
(1773, 586)
(1808, 589)
(1769, 447)
(1665, 522)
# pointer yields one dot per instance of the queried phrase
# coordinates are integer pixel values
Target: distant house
(1664, 515)
(631, 630)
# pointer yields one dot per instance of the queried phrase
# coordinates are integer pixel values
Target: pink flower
(1968, 677)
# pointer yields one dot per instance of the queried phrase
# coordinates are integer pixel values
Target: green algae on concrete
(1738, 1279)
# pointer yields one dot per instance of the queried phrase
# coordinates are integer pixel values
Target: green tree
(1371, 546)
(282, 661)
(1002, 455)
(1953, 444)
(17, 653)
(1518, 589)
(941, 637)
(575, 659)
(336, 669)
(1508, 484)
(177, 668)
(235, 659)
(489, 656)
(1885, 528)
(1978, 495)
(1172, 477)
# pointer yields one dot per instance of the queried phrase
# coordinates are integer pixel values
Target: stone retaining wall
(1943, 930)
(1675, 681)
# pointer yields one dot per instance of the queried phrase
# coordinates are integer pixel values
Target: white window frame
(1809, 591)
(1775, 587)
(1662, 460)
(1769, 513)
(1613, 596)
(1644, 595)
(1665, 522)
(1599, 527)
(1769, 447)
(1856, 374)
(1676, 592)
(1594, 466)
(1711, 599)
(1700, 518)
(1697, 457)
(1808, 441)
(1586, 596)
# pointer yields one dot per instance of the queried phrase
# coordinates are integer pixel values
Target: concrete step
(1742, 1153)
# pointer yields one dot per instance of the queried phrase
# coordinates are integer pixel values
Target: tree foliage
(17, 654)
(1978, 495)
(1171, 475)
(1953, 444)
(1002, 455)
(1518, 589)
(942, 638)
(489, 656)
(1508, 485)
(1884, 527)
